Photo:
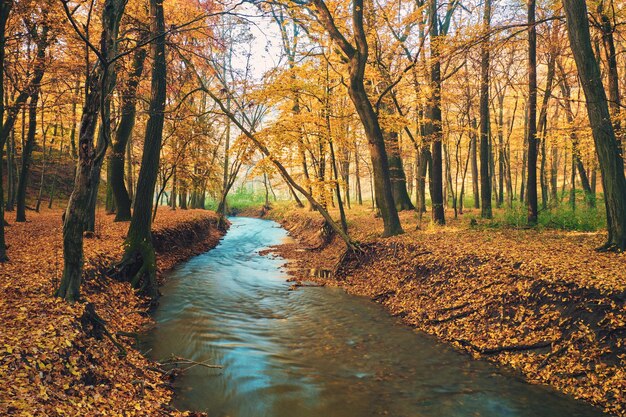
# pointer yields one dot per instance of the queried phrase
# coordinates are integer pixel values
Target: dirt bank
(51, 361)
(543, 303)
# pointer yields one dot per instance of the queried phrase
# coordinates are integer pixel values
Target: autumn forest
(312, 208)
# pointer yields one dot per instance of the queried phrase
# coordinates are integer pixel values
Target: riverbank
(50, 363)
(540, 302)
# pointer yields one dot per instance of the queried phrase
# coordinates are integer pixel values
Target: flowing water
(315, 352)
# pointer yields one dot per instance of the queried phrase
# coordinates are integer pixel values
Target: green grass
(240, 199)
(562, 217)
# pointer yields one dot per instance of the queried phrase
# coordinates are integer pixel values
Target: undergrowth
(240, 199)
(562, 217)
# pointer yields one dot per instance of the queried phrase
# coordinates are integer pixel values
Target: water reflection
(315, 352)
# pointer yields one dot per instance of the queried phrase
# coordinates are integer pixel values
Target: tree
(577, 163)
(39, 33)
(433, 128)
(611, 163)
(357, 59)
(485, 182)
(433, 124)
(104, 131)
(607, 28)
(531, 185)
(116, 158)
(5, 10)
(77, 212)
(139, 262)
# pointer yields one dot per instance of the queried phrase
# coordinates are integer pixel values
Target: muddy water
(315, 352)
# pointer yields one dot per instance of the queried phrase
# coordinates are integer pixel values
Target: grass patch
(583, 219)
(241, 199)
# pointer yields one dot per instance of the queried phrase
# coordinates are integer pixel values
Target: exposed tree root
(352, 258)
(611, 247)
(180, 364)
(222, 223)
(383, 296)
(138, 266)
(98, 327)
(510, 348)
(300, 284)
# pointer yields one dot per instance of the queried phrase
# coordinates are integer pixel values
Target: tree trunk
(501, 158)
(510, 188)
(33, 90)
(26, 158)
(611, 163)
(226, 176)
(422, 170)
(380, 163)
(44, 161)
(77, 212)
(183, 198)
(462, 193)
(433, 124)
(357, 176)
(396, 168)
(174, 189)
(130, 181)
(104, 133)
(543, 125)
(572, 193)
(342, 213)
(485, 175)
(566, 91)
(450, 188)
(607, 29)
(139, 262)
(73, 129)
(11, 170)
(473, 153)
(119, 145)
(531, 186)
(397, 174)
(522, 196)
(554, 172)
(357, 57)
(5, 10)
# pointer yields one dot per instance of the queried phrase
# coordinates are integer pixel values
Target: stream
(315, 352)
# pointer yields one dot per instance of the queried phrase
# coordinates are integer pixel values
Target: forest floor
(51, 361)
(541, 302)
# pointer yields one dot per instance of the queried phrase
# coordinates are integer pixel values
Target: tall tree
(474, 162)
(77, 211)
(5, 10)
(104, 131)
(39, 32)
(116, 158)
(357, 59)
(542, 125)
(139, 262)
(433, 125)
(577, 163)
(485, 175)
(26, 157)
(607, 28)
(531, 185)
(611, 163)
